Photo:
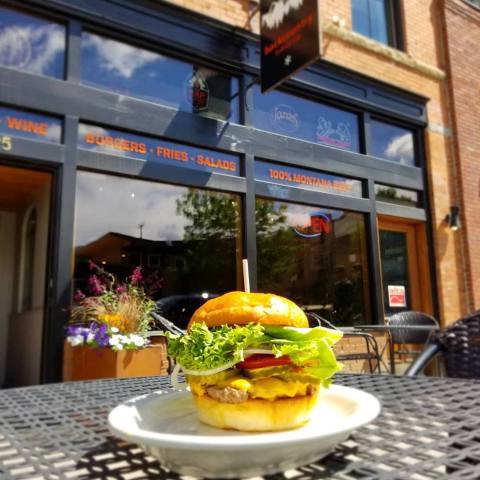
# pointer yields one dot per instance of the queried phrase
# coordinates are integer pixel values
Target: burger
(252, 363)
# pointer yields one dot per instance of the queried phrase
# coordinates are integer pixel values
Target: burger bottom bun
(256, 415)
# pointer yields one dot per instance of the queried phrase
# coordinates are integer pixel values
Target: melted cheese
(266, 388)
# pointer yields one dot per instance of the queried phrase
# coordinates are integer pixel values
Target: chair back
(460, 344)
(402, 334)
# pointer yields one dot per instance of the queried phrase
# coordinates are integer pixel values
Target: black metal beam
(158, 172)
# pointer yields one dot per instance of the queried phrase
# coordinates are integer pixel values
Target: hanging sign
(290, 38)
(397, 296)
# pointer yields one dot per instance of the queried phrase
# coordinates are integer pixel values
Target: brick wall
(463, 35)
(421, 70)
(356, 346)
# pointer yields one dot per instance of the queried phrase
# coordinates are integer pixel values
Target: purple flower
(95, 284)
(136, 276)
(101, 336)
(78, 296)
(75, 330)
(121, 289)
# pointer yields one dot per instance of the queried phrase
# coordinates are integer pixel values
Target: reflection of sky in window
(369, 17)
(106, 204)
(125, 69)
(392, 143)
(32, 44)
(297, 117)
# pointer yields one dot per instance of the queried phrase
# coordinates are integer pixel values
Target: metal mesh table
(428, 429)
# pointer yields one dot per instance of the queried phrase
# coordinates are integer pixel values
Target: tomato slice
(260, 360)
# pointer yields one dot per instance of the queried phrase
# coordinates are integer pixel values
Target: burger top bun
(241, 308)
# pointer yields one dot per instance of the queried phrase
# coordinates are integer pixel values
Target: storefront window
(400, 196)
(392, 143)
(125, 69)
(32, 44)
(285, 114)
(174, 233)
(317, 257)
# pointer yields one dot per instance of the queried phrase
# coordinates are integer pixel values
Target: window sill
(381, 49)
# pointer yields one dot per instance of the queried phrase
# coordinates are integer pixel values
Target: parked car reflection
(178, 309)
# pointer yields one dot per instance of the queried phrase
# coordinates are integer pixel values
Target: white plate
(166, 426)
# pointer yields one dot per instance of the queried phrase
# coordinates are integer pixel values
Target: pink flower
(121, 289)
(92, 265)
(95, 284)
(136, 276)
(78, 296)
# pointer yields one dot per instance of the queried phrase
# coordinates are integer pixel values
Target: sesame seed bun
(241, 308)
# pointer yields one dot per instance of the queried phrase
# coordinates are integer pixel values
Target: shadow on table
(118, 459)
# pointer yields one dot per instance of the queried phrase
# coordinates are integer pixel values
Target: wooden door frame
(418, 259)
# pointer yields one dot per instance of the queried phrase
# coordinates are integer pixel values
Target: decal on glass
(139, 147)
(284, 119)
(30, 125)
(307, 179)
(337, 136)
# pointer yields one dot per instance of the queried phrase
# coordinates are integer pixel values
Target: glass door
(404, 264)
(25, 198)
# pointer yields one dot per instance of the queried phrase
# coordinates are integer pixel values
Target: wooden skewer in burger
(252, 363)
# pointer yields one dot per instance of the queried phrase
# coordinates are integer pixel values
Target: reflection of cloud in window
(83, 129)
(400, 149)
(101, 132)
(54, 133)
(104, 204)
(297, 218)
(120, 58)
(32, 48)
(15, 50)
(355, 188)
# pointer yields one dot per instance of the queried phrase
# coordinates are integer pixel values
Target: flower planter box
(86, 363)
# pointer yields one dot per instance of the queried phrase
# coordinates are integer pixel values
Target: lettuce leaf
(202, 349)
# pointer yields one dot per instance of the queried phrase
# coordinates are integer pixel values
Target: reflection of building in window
(396, 195)
(166, 263)
(325, 272)
(154, 260)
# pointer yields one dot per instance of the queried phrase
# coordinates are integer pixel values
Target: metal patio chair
(409, 328)
(459, 347)
(372, 352)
